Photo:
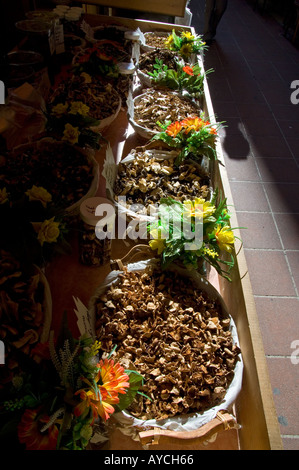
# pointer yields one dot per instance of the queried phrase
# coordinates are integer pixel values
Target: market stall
(234, 408)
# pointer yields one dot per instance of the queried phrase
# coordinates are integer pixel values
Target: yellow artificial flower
(38, 193)
(47, 231)
(158, 243)
(70, 134)
(86, 76)
(3, 196)
(209, 252)
(169, 41)
(225, 238)
(186, 50)
(60, 109)
(187, 35)
(77, 107)
(199, 208)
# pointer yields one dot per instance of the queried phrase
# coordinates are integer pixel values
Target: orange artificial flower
(113, 376)
(174, 128)
(100, 403)
(111, 380)
(192, 123)
(213, 131)
(29, 431)
(189, 70)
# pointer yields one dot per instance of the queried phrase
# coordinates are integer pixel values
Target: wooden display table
(254, 409)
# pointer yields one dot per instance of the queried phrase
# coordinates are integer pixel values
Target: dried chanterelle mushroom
(162, 105)
(147, 179)
(174, 335)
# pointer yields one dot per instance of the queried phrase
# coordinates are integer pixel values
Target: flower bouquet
(193, 135)
(185, 78)
(36, 228)
(64, 401)
(193, 231)
(185, 44)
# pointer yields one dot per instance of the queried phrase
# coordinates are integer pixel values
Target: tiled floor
(254, 65)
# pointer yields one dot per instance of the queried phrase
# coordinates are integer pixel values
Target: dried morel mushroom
(175, 336)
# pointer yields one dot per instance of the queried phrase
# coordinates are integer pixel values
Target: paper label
(85, 318)
(59, 38)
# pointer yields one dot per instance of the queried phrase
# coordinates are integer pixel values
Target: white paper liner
(131, 426)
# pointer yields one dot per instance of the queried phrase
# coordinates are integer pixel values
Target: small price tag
(51, 40)
(59, 38)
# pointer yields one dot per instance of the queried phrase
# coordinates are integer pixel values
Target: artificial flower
(38, 193)
(199, 208)
(103, 392)
(194, 123)
(71, 134)
(225, 238)
(59, 109)
(187, 35)
(209, 252)
(169, 41)
(29, 431)
(113, 376)
(3, 196)
(189, 70)
(48, 231)
(77, 107)
(186, 50)
(174, 128)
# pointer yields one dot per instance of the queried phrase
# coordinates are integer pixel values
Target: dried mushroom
(156, 39)
(101, 99)
(22, 315)
(175, 335)
(162, 105)
(147, 178)
(62, 169)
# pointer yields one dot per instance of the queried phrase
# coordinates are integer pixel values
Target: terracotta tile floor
(254, 65)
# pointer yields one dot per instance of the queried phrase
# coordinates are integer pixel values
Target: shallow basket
(74, 208)
(189, 426)
(143, 131)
